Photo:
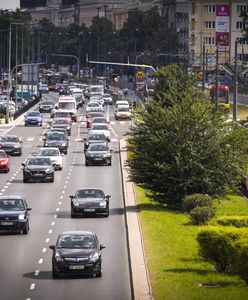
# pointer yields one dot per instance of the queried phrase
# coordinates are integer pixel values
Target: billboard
(32, 3)
(222, 26)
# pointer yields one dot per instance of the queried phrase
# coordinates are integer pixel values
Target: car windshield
(106, 95)
(49, 152)
(99, 120)
(12, 205)
(55, 137)
(76, 241)
(11, 139)
(3, 154)
(61, 115)
(38, 161)
(33, 114)
(89, 193)
(60, 121)
(97, 147)
(66, 105)
(96, 137)
(47, 103)
(123, 108)
(99, 127)
(93, 104)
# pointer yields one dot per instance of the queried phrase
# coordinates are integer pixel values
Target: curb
(139, 272)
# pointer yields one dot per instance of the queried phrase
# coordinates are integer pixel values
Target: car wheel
(26, 124)
(87, 163)
(99, 274)
(109, 162)
(66, 151)
(26, 229)
(55, 274)
(20, 154)
(52, 179)
(73, 215)
(25, 180)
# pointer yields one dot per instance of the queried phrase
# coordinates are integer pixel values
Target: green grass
(176, 270)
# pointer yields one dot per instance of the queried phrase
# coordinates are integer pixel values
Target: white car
(54, 154)
(101, 128)
(107, 98)
(93, 104)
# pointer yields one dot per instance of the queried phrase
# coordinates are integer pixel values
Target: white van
(96, 90)
(68, 104)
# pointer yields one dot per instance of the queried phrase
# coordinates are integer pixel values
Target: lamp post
(135, 69)
(235, 81)
(69, 55)
(79, 52)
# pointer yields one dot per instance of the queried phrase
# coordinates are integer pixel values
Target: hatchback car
(43, 88)
(54, 154)
(46, 106)
(38, 169)
(61, 123)
(99, 120)
(91, 106)
(63, 114)
(57, 139)
(92, 114)
(11, 144)
(33, 118)
(14, 214)
(123, 112)
(98, 153)
(89, 201)
(101, 128)
(93, 138)
(4, 161)
(107, 98)
(78, 253)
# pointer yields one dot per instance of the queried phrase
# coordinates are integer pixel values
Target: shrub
(192, 201)
(201, 215)
(236, 221)
(240, 266)
(2, 116)
(218, 247)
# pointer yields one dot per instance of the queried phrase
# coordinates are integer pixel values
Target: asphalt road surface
(25, 260)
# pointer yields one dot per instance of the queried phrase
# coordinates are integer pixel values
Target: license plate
(98, 158)
(7, 223)
(38, 175)
(89, 209)
(76, 267)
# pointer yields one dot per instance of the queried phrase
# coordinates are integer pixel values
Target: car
(43, 88)
(94, 138)
(46, 106)
(4, 161)
(93, 105)
(93, 114)
(54, 154)
(14, 214)
(57, 139)
(61, 123)
(123, 112)
(11, 144)
(33, 118)
(89, 201)
(62, 114)
(101, 128)
(38, 169)
(63, 130)
(99, 120)
(98, 153)
(107, 98)
(64, 89)
(121, 102)
(77, 253)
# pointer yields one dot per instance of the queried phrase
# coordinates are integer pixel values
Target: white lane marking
(47, 240)
(68, 177)
(10, 181)
(112, 122)
(13, 177)
(30, 139)
(65, 186)
(78, 139)
(40, 139)
(55, 216)
(61, 197)
(1, 193)
(28, 299)
(36, 272)
(114, 140)
(40, 261)
(3, 190)
(107, 117)
(32, 286)
(122, 122)
(57, 209)
(63, 192)
(53, 223)
(69, 174)
(66, 182)
(50, 231)
(6, 186)
(113, 131)
(44, 250)
(59, 203)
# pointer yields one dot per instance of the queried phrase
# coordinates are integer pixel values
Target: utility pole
(217, 77)
(235, 81)
(203, 66)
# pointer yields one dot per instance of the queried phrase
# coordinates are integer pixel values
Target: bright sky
(9, 4)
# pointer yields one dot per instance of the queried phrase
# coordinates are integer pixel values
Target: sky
(9, 4)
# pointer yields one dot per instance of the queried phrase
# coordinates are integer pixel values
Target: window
(193, 8)
(243, 41)
(209, 24)
(242, 8)
(192, 24)
(192, 39)
(241, 25)
(209, 40)
(243, 57)
(209, 9)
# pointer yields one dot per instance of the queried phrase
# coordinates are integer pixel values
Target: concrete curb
(140, 276)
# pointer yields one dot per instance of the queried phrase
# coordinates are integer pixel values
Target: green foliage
(200, 215)
(217, 247)
(2, 116)
(190, 202)
(240, 266)
(236, 221)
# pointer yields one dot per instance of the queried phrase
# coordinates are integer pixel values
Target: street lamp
(69, 55)
(135, 68)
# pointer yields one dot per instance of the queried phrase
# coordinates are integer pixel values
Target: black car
(89, 201)
(46, 106)
(57, 139)
(11, 144)
(98, 153)
(38, 169)
(14, 214)
(78, 253)
(94, 138)
(61, 123)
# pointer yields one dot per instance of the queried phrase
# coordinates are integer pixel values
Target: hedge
(236, 221)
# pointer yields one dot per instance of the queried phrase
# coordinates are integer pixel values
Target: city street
(26, 259)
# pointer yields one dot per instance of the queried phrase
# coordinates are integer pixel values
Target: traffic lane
(115, 283)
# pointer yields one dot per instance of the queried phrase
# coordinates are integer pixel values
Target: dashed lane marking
(32, 286)
(40, 261)
(36, 273)
(47, 240)
(44, 250)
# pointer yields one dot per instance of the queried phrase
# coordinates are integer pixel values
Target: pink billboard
(222, 26)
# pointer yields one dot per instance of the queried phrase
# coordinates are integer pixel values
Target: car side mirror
(23, 164)
(43, 139)
(52, 247)
(111, 150)
(108, 196)
(71, 196)
(84, 139)
(21, 142)
(29, 208)
(102, 247)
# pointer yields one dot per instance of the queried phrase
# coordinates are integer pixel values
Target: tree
(180, 147)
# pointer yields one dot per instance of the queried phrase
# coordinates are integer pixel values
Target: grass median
(175, 268)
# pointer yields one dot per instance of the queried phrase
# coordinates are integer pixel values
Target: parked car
(77, 252)
(123, 112)
(57, 139)
(4, 161)
(98, 153)
(38, 169)
(33, 118)
(46, 106)
(14, 214)
(101, 128)
(11, 144)
(61, 123)
(94, 138)
(89, 201)
(43, 88)
(54, 154)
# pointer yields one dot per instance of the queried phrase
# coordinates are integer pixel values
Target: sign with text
(222, 26)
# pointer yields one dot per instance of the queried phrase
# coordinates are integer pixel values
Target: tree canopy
(181, 147)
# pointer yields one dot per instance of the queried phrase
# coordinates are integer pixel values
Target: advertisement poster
(222, 26)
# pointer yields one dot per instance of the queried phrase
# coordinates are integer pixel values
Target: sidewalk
(139, 272)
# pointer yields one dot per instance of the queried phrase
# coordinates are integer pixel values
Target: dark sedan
(89, 201)
(14, 214)
(98, 153)
(11, 144)
(78, 253)
(93, 138)
(61, 123)
(57, 139)
(38, 169)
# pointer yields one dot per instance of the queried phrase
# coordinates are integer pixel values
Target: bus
(223, 96)
(53, 79)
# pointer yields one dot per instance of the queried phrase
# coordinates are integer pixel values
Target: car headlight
(103, 203)
(46, 144)
(3, 163)
(21, 216)
(49, 170)
(16, 146)
(27, 170)
(75, 202)
(58, 258)
(63, 144)
(95, 257)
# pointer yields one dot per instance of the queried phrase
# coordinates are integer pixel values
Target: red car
(91, 115)
(4, 161)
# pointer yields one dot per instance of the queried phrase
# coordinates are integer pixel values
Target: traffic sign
(139, 74)
(200, 74)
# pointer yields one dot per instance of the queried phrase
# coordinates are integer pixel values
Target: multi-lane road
(25, 260)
